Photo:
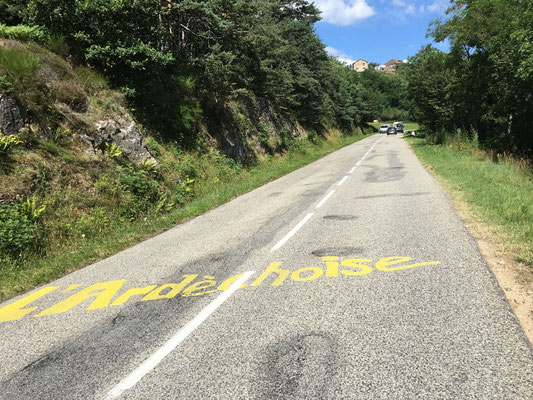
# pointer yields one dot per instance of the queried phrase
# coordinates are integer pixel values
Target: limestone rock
(126, 135)
(12, 115)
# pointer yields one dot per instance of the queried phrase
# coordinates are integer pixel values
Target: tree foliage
(183, 60)
(484, 85)
(11, 11)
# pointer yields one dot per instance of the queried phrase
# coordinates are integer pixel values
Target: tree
(11, 11)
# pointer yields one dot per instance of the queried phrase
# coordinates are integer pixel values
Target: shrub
(153, 147)
(312, 136)
(70, 93)
(17, 232)
(107, 185)
(24, 33)
(262, 128)
(139, 191)
(4, 83)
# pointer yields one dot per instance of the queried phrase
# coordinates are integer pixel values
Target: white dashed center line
(325, 199)
(320, 204)
(292, 232)
(151, 362)
(342, 180)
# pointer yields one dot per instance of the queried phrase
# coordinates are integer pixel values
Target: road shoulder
(514, 278)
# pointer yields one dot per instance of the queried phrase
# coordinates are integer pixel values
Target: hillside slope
(74, 164)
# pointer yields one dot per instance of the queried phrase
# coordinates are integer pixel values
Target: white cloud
(339, 55)
(409, 8)
(344, 12)
(438, 6)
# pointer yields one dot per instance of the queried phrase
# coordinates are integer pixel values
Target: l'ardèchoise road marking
(107, 294)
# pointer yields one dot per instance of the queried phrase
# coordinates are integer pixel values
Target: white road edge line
(150, 363)
(292, 232)
(325, 199)
(352, 170)
(342, 180)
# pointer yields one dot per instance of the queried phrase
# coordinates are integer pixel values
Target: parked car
(398, 126)
(391, 130)
(383, 128)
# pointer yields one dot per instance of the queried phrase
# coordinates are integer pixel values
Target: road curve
(361, 282)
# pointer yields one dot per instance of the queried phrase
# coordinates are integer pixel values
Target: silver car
(383, 128)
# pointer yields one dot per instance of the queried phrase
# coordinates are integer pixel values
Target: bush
(4, 83)
(17, 232)
(71, 94)
(139, 191)
(312, 136)
(24, 33)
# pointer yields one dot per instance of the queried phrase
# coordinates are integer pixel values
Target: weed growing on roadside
(8, 143)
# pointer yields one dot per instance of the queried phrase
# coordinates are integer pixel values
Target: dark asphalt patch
(394, 172)
(312, 193)
(340, 217)
(315, 183)
(338, 251)
(377, 196)
(301, 367)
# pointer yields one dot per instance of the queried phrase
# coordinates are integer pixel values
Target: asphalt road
(331, 311)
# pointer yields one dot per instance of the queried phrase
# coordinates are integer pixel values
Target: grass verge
(494, 200)
(63, 260)
(498, 194)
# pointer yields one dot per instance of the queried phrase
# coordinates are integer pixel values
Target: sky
(377, 30)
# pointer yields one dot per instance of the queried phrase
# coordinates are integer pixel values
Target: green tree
(11, 11)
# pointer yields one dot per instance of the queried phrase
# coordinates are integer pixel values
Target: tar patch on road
(302, 366)
(340, 251)
(394, 172)
(378, 196)
(340, 217)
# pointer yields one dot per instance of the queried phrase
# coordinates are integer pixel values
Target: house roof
(392, 61)
(360, 60)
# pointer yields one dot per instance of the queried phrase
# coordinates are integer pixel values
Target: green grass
(499, 194)
(16, 64)
(210, 194)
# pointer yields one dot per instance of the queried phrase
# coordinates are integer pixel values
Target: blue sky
(377, 30)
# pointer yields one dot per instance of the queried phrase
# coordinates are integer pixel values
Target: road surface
(350, 278)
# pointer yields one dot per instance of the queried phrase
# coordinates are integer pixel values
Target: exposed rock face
(125, 134)
(12, 115)
(242, 141)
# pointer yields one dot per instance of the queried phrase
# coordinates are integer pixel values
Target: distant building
(360, 65)
(391, 65)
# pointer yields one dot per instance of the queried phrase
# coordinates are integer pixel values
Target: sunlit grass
(499, 193)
